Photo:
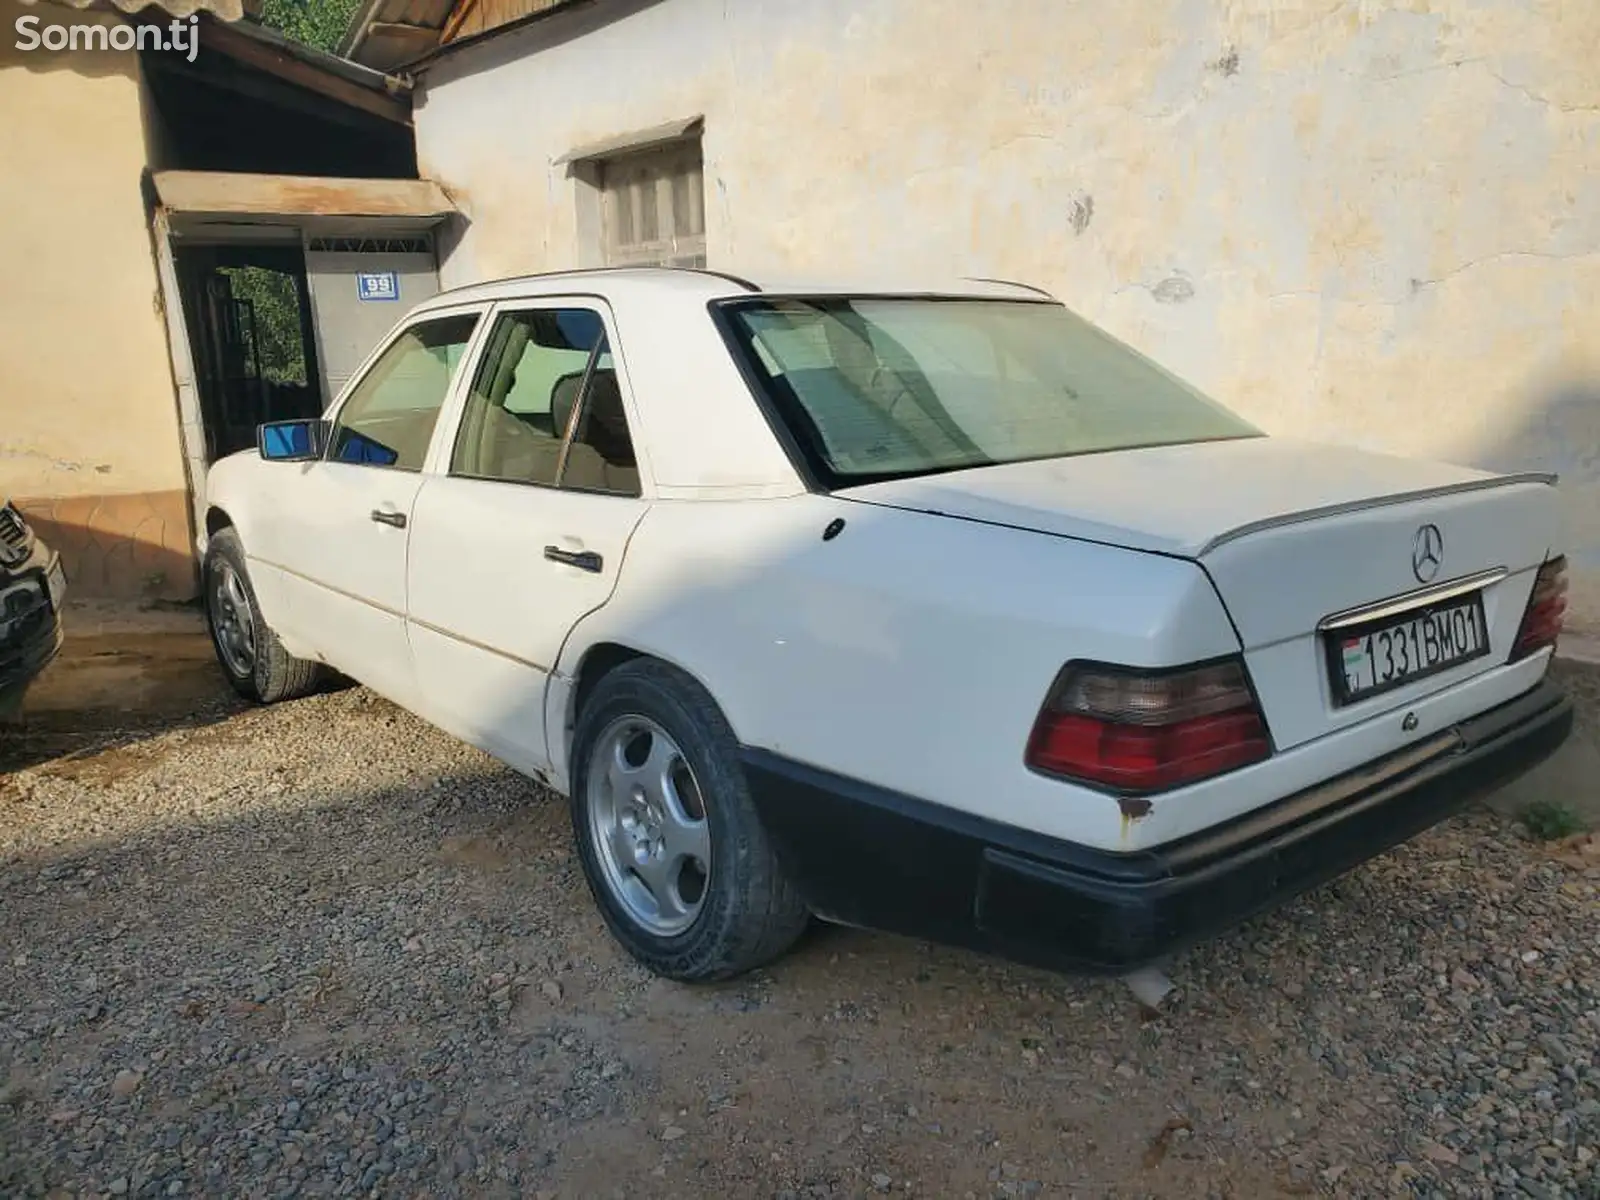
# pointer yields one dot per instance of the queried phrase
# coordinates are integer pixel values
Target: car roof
(695, 421)
(702, 286)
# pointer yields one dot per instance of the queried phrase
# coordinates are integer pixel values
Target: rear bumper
(865, 856)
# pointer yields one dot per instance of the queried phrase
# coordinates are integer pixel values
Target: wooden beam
(458, 17)
(245, 49)
(237, 194)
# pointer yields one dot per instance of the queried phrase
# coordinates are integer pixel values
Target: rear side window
(545, 407)
(877, 388)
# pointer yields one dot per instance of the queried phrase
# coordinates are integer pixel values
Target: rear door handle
(584, 560)
(397, 519)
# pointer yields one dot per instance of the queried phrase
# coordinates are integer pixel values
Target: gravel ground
(324, 950)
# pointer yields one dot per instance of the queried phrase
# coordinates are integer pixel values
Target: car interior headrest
(604, 425)
(562, 397)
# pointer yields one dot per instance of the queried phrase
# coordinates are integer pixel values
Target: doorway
(252, 333)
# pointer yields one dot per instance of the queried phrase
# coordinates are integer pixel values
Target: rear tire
(249, 652)
(656, 779)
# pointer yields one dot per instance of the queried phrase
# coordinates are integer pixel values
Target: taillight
(1547, 608)
(1145, 731)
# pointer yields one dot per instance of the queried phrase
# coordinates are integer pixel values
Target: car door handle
(397, 519)
(584, 560)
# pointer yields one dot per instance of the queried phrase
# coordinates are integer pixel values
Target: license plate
(1366, 660)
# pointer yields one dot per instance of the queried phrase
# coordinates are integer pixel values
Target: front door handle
(397, 519)
(584, 560)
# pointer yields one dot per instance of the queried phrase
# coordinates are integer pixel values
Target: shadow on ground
(289, 962)
(321, 972)
(1570, 780)
(121, 677)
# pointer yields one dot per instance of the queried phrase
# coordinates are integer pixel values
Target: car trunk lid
(1294, 536)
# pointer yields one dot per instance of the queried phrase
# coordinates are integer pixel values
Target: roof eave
(351, 84)
(563, 9)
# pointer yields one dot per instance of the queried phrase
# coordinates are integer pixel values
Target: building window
(653, 207)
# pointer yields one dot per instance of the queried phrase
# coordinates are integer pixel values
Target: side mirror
(292, 441)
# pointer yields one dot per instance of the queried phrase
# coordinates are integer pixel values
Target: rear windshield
(879, 388)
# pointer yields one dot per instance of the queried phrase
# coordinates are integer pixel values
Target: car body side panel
(894, 654)
(298, 520)
(909, 651)
(487, 611)
(280, 509)
(913, 650)
(252, 494)
(346, 573)
(1290, 533)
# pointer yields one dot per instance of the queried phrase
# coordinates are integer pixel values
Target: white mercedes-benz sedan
(933, 611)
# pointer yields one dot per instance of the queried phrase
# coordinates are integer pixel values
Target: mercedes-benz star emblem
(1427, 553)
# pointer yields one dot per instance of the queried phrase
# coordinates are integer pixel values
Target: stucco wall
(88, 425)
(1377, 223)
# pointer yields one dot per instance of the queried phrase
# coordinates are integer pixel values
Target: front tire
(249, 652)
(671, 845)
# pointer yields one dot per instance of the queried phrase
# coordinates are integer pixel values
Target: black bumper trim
(36, 638)
(863, 855)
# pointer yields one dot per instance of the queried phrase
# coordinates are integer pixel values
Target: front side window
(389, 418)
(880, 388)
(545, 407)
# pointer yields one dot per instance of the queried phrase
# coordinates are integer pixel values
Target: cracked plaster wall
(88, 425)
(1375, 223)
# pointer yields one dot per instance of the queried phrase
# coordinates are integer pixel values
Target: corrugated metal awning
(237, 196)
(223, 10)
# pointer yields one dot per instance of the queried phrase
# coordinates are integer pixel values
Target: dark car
(31, 587)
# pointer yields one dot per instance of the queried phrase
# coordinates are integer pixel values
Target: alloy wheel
(647, 819)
